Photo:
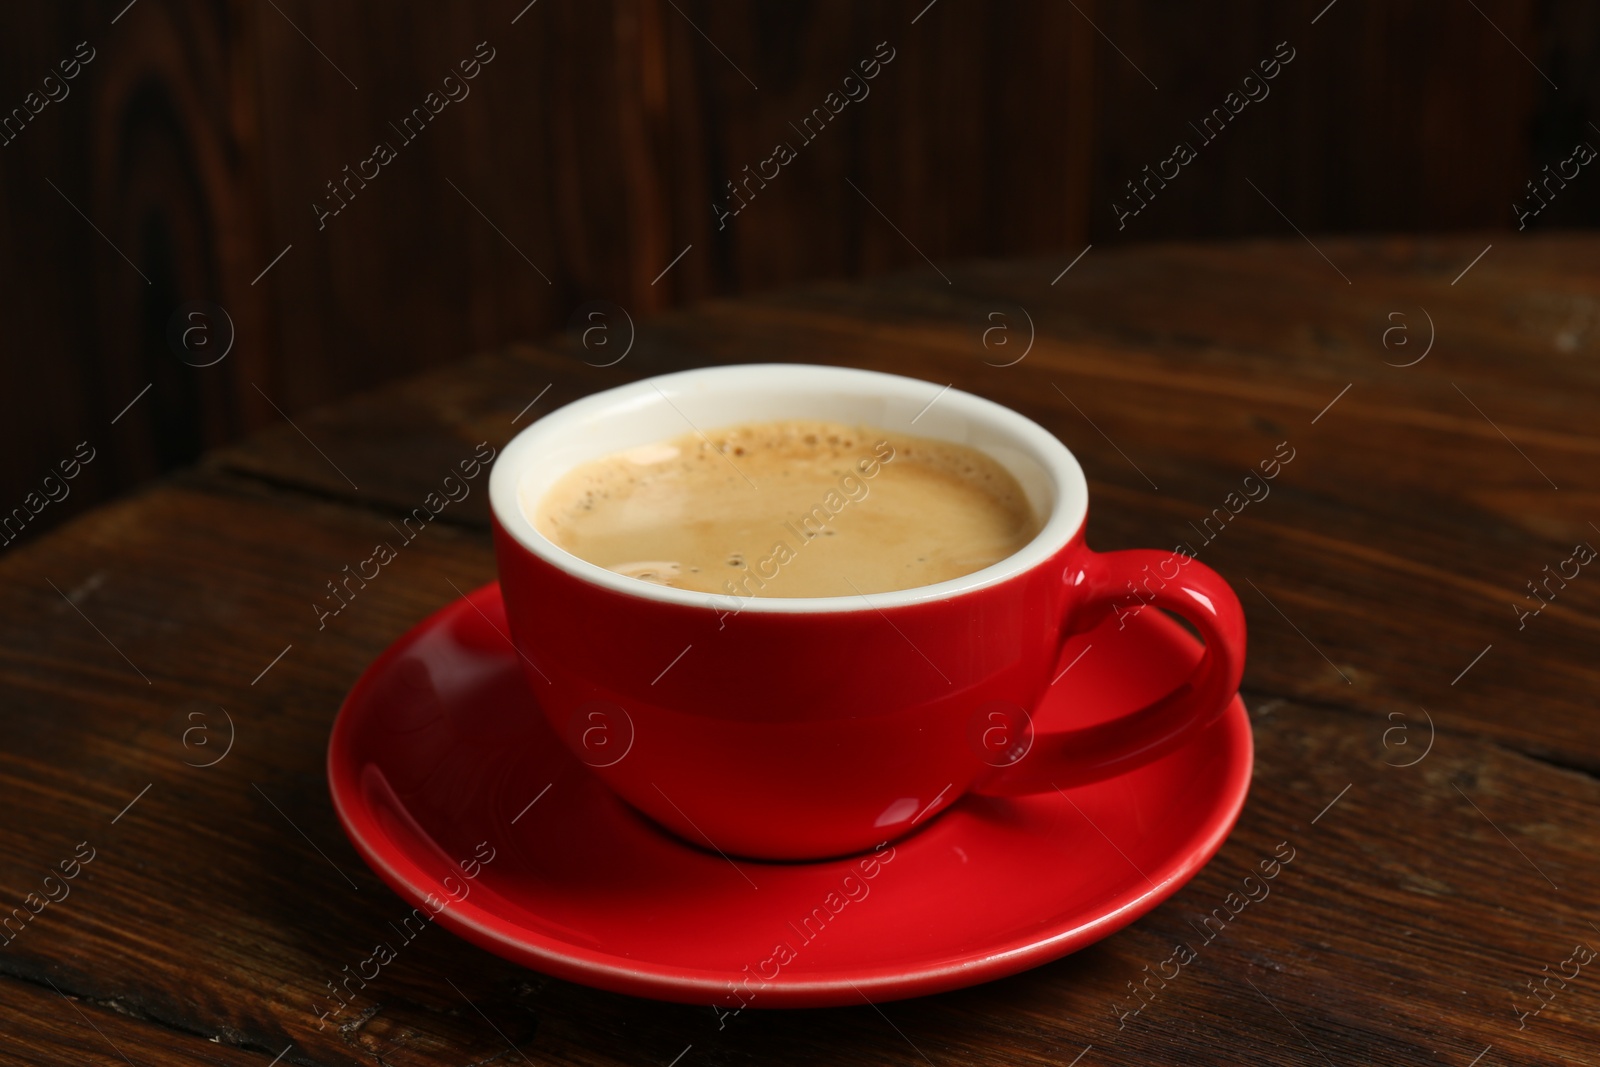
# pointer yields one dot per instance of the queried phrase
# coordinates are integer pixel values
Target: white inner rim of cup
(710, 398)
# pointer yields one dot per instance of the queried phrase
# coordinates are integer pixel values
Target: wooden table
(1429, 752)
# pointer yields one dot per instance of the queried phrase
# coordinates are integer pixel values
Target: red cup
(804, 728)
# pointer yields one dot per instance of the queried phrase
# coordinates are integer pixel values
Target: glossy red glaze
(439, 756)
(820, 733)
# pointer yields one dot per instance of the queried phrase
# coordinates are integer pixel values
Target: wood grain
(1424, 894)
(44, 1028)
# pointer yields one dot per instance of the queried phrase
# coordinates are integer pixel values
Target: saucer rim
(562, 959)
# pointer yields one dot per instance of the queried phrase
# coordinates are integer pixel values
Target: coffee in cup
(790, 508)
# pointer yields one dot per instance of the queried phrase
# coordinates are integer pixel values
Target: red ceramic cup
(803, 728)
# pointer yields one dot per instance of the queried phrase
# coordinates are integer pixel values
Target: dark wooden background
(588, 153)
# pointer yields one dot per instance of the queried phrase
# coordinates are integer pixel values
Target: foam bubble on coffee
(792, 508)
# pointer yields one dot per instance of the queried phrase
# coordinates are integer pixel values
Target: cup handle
(1124, 583)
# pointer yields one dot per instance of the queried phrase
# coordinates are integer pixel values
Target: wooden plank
(1404, 938)
(262, 919)
(655, 119)
(1313, 138)
(1394, 548)
(42, 1027)
(128, 207)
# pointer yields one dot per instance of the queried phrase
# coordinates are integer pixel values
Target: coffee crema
(790, 508)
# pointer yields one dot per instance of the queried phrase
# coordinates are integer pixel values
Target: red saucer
(439, 747)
